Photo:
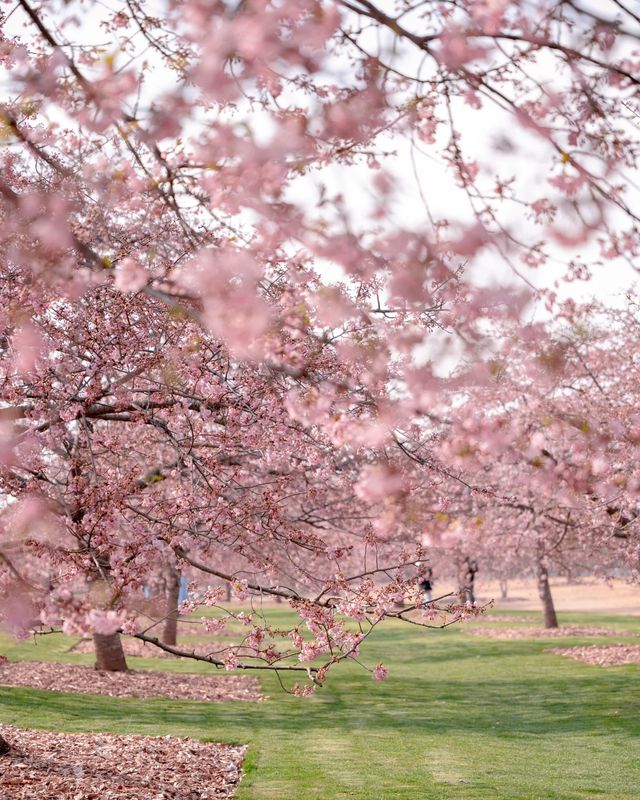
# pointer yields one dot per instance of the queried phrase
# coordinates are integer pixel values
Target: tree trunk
(544, 592)
(170, 631)
(4, 746)
(503, 590)
(109, 652)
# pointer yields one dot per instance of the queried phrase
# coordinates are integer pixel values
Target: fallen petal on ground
(612, 655)
(141, 684)
(72, 766)
(542, 633)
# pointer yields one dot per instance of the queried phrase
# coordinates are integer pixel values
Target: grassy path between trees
(460, 718)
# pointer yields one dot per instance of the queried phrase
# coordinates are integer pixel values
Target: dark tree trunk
(109, 652)
(170, 631)
(544, 592)
(4, 746)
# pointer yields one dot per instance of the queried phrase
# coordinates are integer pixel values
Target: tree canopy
(266, 272)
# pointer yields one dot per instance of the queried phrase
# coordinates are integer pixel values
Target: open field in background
(460, 718)
(588, 594)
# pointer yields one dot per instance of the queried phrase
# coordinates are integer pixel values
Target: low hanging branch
(177, 651)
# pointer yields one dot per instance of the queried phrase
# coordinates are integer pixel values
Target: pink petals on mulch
(602, 655)
(542, 633)
(43, 765)
(134, 683)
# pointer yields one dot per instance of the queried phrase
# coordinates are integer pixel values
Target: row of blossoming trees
(550, 470)
(219, 356)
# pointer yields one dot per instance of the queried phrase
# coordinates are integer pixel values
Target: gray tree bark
(170, 630)
(544, 592)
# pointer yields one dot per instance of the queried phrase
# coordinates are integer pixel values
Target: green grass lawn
(460, 718)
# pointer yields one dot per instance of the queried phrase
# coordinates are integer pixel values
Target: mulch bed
(542, 633)
(612, 655)
(502, 618)
(133, 683)
(43, 765)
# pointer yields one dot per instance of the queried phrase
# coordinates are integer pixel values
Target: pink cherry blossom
(245, 342)
(380, 673)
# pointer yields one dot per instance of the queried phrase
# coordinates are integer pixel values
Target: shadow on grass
(520, 706)
(460, 718)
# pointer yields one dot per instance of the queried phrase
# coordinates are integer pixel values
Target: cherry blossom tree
(548, 471)
(139, 443)
(221, 334)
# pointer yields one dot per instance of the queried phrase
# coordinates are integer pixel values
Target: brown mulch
(133, 683)
(501, 618)
(43, 765)
(602, 655)
(542, 633)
